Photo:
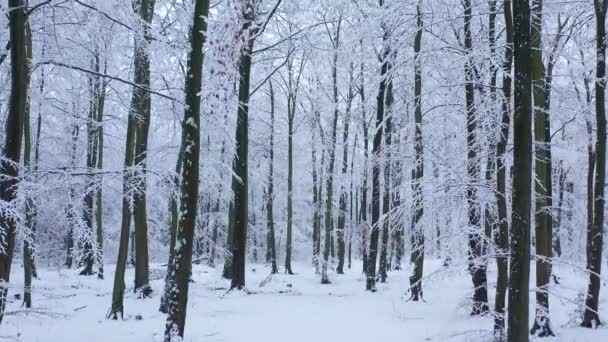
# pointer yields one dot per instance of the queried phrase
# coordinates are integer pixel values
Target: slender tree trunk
(501, 238)
(271, 249)
(417, 235)
(141, 107)
(386, 196)
(99, 195)
(561, 184)
(490, 222)
(477, 263)
(30, 206)
(519, 279)
(375, 232)
(341, 231)
(11, 152)
(182, 263)
(332, 156)
(316, 199)
(590, 316)
(71, 196)
(364, 188)
(543, 219)
(293, 85)
(240, 183)
(173, 227)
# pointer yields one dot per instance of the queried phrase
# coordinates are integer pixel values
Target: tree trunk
(341, 231)
(12, 145)
(386, 196)
(501, 238)
(316, 200)
(271, 249)
(182, 263)
(140, 107)
(417, 237)
(173, 226)
(332, 156)
(590, 316)
(543, 219)
(522, 178)
(71, 196)
(477, 263)
(240, 183)
(30, 206)
(293, 86)
(375, 232)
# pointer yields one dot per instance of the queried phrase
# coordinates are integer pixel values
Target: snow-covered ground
(70, 308)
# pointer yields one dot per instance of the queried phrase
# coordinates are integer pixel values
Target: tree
(11, 153)
(417, 237)
(543, 218)
(477, 266)
(335, 42)
(141, 107)
(376, 150)
(501, 237)
(240, 184)
(386, 195)
(519, 277)
(595, 243)
(341, 230)
(30, 216)
(271, 248)
(182, 262)
(293, 86)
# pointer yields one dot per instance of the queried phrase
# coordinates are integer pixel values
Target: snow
(295, 308)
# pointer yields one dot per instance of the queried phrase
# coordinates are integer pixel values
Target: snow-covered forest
(291, 170)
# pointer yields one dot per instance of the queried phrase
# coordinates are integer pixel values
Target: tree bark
(240, 183)
(477, 263)
(501, 238)
(11, 153)
(180, 279)
(376, 150)
(543, 219)
(591, 316)
(141, 107)
(271, 249)
(332, 156)
(341, 231)
(417, 237)
(517, 330)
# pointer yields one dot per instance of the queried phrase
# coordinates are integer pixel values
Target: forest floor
(297, 308)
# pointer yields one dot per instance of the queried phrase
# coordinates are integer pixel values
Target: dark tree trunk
(30, 206)
(386, 195)
(141, 106)
(71, 196)
(417, 234)
(377, 146)
(341, 231)
(316, 199)
(180, 279)
(240, 183)
(293, 85)
(501, 238)
(271, 249)
(330, 170)
(590, 316)
(173, 226)
(364, 225)
(519, 279)
(11, 152)
(477, 262)
(543, 219)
